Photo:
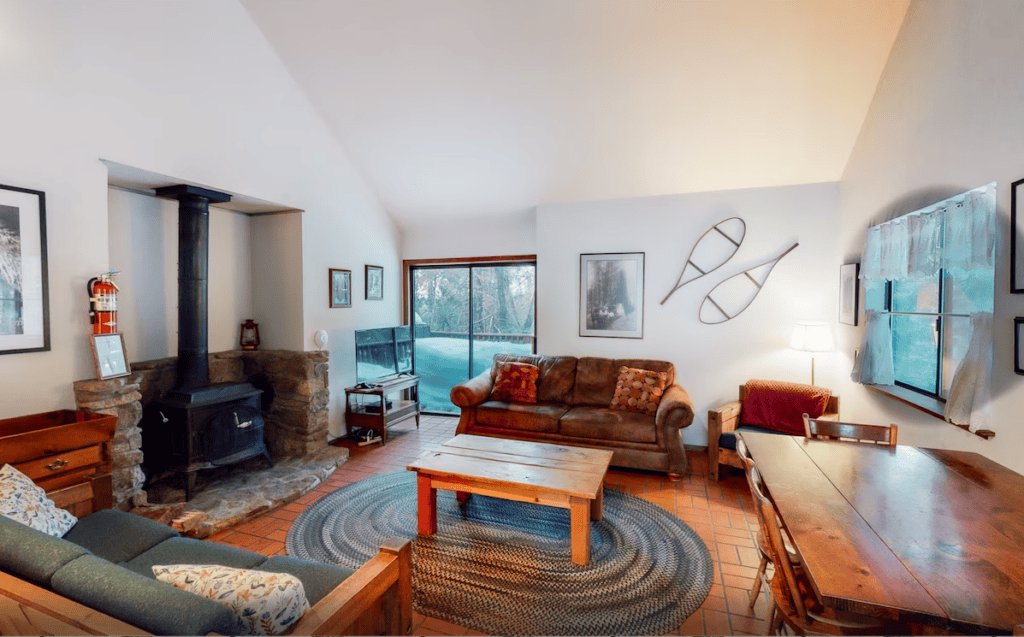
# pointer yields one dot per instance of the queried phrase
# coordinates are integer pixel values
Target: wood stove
(198, 425)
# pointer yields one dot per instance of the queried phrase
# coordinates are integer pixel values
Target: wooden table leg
(426, 505)
(579, 529)
(597, 505)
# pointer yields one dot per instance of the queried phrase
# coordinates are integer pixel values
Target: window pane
(502, 312)
(441, 319)
(969, 292)
(915, 351)
(915, 296)
(874, 297)
(956, 335)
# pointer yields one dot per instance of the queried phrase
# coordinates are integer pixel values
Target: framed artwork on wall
(24, 296)
(612, 295)
(374, 283)
(1018, 340)
(1016, 239)
(109, 356)
(849, 293)
(340, 287)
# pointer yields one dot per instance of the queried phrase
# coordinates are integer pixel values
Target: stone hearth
(295, 402)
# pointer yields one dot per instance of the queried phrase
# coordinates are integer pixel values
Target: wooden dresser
(67, 453)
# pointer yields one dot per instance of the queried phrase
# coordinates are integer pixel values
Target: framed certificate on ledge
(109, 356)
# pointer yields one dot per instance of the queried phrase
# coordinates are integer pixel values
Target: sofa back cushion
(32, 554)
(556, 377)
(596, 377)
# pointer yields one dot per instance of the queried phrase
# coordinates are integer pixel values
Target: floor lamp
(812, 336)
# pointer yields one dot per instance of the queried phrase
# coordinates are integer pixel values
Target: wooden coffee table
(554, 475)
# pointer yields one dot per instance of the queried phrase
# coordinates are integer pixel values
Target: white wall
(946, 117)
(144, 249)
(511, 234)
(711, 361)
(191, 89)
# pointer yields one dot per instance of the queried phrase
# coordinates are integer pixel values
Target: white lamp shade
(812, 336)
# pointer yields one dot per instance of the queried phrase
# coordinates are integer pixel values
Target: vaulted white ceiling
(478, 107)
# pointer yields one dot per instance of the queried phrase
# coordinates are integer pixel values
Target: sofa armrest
(375, 600)
(472, 392)
(675, 413)
(720, 420)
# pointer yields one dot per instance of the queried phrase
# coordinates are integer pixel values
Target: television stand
(378, 411)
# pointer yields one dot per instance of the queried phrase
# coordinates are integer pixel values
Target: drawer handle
(57, 464)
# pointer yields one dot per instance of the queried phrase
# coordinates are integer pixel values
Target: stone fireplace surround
(294, 383)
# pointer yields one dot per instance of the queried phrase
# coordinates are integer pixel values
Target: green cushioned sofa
(98, 579)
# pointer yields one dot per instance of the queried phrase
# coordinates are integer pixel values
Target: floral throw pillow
(516, 382)
(23, 501)
(639, 390)
(263, 603)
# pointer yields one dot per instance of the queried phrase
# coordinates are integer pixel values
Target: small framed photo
(24, 297)
(1016, 238)
(110, 356)
(374, 283)
(612, 295)
(1018, 341)
(849, 293)
(340, 287)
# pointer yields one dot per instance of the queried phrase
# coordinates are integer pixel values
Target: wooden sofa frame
(375, 600)
(727, 418)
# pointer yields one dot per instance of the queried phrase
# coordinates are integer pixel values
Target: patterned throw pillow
(516, 382)
(23, 501)
(639, 390)
(263, 603)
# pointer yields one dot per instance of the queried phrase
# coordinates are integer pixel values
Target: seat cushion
(145, 603)
(727, 440)
(184, 550)
(31, 554)
(606, 424)
(540, 417)
(318, 579)
(118, 536)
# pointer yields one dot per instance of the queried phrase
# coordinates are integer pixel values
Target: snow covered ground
(442, 363)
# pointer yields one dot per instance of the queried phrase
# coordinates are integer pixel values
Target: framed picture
(374, 283)
(1016, 239)
(340, 287)
(612, 295)
(110, 356)
(849, 293)
(1018, 340)
(24, 297)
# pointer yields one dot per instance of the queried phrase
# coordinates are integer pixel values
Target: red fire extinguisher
(103, 304)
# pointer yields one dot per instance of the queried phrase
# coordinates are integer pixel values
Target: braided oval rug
(504, 568)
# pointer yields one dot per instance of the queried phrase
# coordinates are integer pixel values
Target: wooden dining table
(925, 536)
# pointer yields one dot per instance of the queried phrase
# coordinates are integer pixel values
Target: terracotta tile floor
(721, 513)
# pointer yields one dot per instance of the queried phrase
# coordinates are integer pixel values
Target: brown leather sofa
(572, 408)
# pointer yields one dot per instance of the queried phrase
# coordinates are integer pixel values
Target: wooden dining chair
(832, 430)
(793, 600)
(762, 542)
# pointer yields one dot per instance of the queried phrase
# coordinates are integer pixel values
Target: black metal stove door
(232, 431)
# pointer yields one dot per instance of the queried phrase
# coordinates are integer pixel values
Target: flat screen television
(383, 352)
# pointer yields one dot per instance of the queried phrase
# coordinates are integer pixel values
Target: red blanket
(780, 406)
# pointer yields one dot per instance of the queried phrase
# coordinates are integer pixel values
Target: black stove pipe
(193, 286)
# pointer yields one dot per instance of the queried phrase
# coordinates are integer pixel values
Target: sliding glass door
(462, 316)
